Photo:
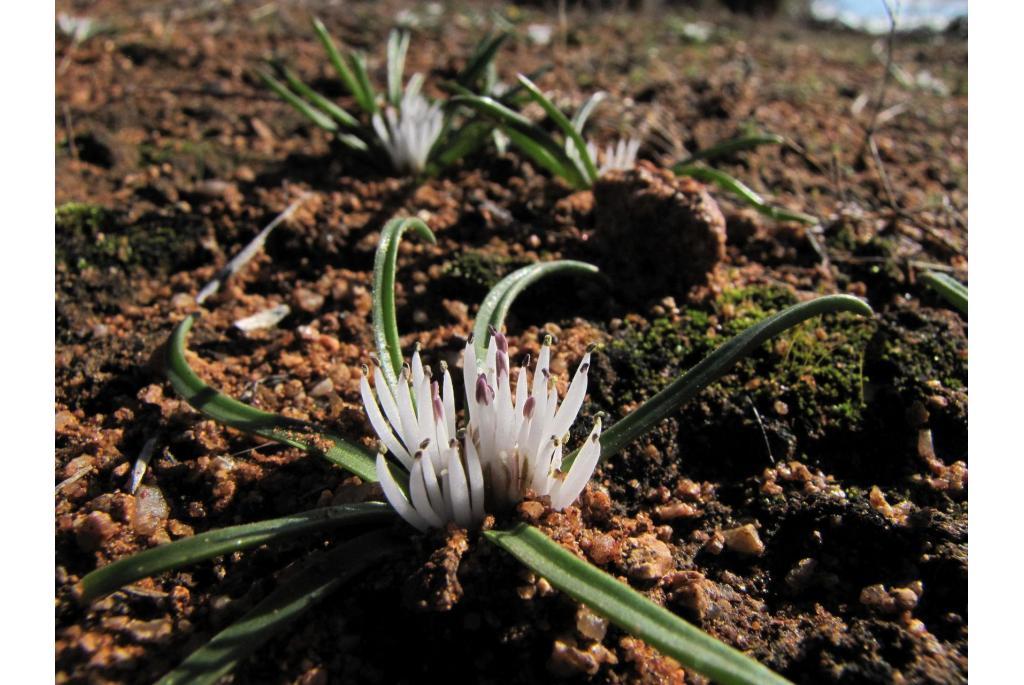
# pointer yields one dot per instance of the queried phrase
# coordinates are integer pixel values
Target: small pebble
(324, 387)
(744, 540)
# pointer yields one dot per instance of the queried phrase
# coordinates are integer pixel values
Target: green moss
(90, 236)
(481, 269)
(810, 379)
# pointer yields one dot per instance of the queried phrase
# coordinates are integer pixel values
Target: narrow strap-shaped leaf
(951, 289)
(352, 142)
(243, 417)
(580, 120)
(728, 147)
(319, 100)
(469, 138)
(558, 163)
(532, 139)
(563, 123)
(359, 69)
(303, 107)
(348, 79)
(630, 610)
(497, 302)
(398, 46)
(385, 326)
(713, 367)
(213, 543)
(294, 597)
(744, 193)
(482, 56)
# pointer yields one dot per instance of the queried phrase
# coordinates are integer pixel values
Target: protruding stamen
(436, 401)
(502, 363)
(481, 390)
(531, 403)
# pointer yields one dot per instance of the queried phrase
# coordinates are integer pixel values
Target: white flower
(512, 444)
(409, 134)
(618, 157)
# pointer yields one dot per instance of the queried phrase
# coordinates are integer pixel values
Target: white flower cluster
(409, 133)
(618, 157)
(512, 444)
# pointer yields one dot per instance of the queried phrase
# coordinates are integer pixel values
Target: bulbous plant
(580, 163)
(577, 161)
(400, 128)
(512, 469)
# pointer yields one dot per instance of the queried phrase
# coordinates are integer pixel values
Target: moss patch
(90, 236)
(481, 270)
(807, 385)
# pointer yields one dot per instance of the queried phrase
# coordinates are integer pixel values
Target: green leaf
(385, 327)
(352, 142)
(563, 123)
(304, 108)
(713, 367)
(293, 597)
(580, 120)
(483, 55)
(730, 184)
(728, 147)
(359, 67)
(630, 610)
(398, 46)
(951, 289)
(557, 163)
(497, 302)
(319, 100)
(241, 416)
(225, 540)
(348, 79)
(467, 140)
(533, 140)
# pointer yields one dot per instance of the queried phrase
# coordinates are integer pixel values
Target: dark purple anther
(483, 395)
(528, 407)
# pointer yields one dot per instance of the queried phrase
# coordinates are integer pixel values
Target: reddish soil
(810, 509)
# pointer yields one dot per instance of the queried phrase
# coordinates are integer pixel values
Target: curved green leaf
(470, 137)
(483, 55)
(533, 140)
(630, 610)
(585, 110)
(497, 302)
(319, 100)
(952, 290)
(744, 193)
(223, 541)
(563, 123)
(303, 107)
(557, 163)
(348, 79)
(728, 147)
(359, 68)
(293, 597)
(385, 327)
(713, 367)
(243, 417)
